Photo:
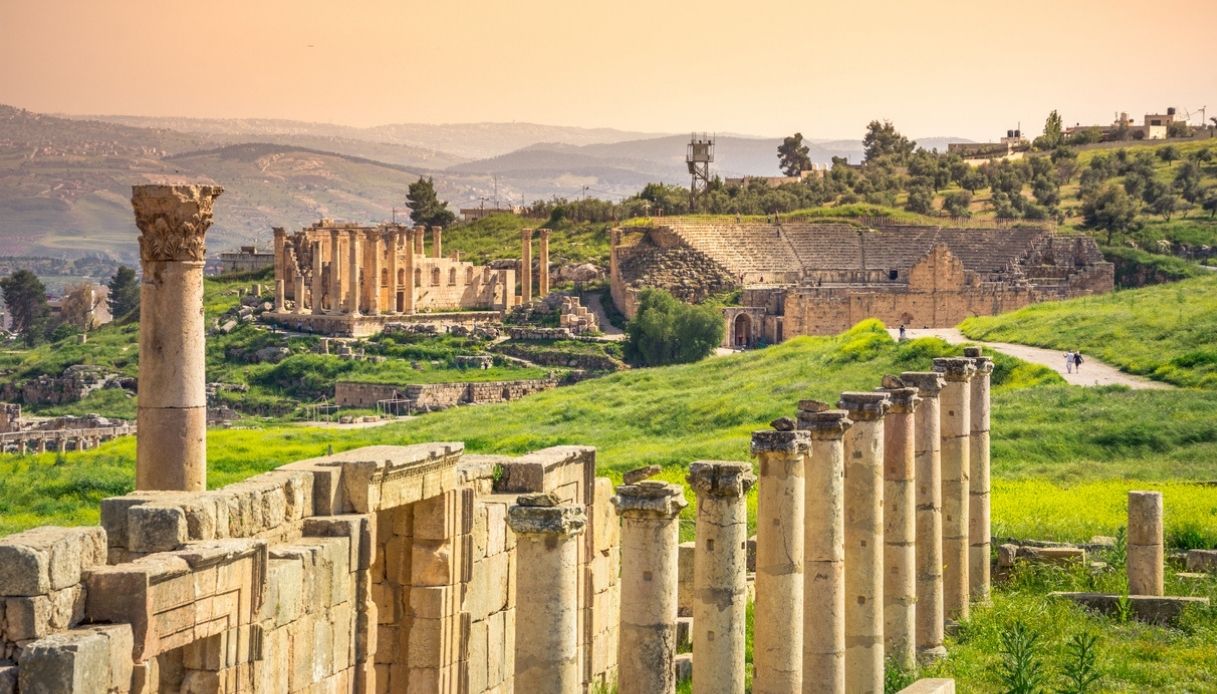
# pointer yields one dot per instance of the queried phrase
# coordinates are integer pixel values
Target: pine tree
(793, 155)
(124, 294)
(425, 206)
(25, 297)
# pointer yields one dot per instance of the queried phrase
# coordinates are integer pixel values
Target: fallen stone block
(1202, 560)
(72, 661)
(1151, 609)
(930, 686)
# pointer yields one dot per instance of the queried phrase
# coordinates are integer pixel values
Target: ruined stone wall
(362, 571)
(426, 397)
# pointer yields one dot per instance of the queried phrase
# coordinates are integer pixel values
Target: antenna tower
(699, 156)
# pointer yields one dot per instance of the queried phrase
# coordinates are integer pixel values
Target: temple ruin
(822, 277)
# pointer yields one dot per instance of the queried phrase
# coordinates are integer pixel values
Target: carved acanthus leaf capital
(173, 220)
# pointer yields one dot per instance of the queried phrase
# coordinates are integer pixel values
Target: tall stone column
(547, 602)
(928, 473)
(864, 541)
(371, 276)
(777, 650)
(409, 289)
(437, 241)
(391, 241)
(171, 449)
(824, 548)
(298, 292)
(900, 526)
(650, 536)
(525, 266)
(353, 292)
(1145, 546)
(420, 232)
(719, 582)
(317, 289)
(979, 528)
(956, 415)
(543, 271)
(280, 296)
(280, 242)
(335, 272)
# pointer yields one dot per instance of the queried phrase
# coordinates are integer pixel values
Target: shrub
(669, 331)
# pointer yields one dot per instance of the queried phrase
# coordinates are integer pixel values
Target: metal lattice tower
(698, 156)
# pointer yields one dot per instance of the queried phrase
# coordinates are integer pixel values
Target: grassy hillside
(498, 237)
(1166, 332)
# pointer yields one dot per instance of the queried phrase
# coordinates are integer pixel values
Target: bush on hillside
(669, 331)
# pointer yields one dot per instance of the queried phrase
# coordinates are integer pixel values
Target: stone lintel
(721, 478)
(545, 520)
(955, 369)
(786, 442)
(904, 400)
(649, 498)
(865, 407)
(825, 425)
(928, 383)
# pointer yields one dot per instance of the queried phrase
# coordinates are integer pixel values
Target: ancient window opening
(893, 274)
(418, 277)
(435, 276)
(451, 277)
(469, 275)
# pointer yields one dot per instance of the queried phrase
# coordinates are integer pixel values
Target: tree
(124, 294)
(1165, 204)
(882, 141)
(1208, 201)
(1168, 154)
(1054, 132)
(974, 180)
(921, 200)
(425, 205)
(958, 204)
(1187, 181)
(1112, 210)
(669, 331)
(25, 297)
(792, 155)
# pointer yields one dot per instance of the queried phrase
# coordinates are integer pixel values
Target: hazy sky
(935, 67)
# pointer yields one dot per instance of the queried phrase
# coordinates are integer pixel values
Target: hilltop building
(248, 259)
(818, 278)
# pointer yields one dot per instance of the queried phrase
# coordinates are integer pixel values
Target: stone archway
(741, 331)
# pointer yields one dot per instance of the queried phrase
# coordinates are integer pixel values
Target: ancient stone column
(409, 289)
(371, 275)
(525, 266)
(824, 548)
(1145, 546)
(335, 273)
(298, 292)
(900, 526)
(928, 473)
(420, 233)
(979, 529)
(955, 413)
(650, 536)
(171, 449)
(280, 296)
(864, 541)
(547, 602)
(317, 289)
(719, 582)
(543, 271)
(777, 649)
(281, 276)
(391, 241)
(353, 289)
(437, 241)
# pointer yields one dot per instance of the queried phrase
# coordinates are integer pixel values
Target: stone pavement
(1093, 373)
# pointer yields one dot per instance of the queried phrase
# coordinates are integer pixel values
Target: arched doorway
(742, 331)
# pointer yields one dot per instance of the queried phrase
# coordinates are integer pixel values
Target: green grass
(1165, 332)
(498, 237)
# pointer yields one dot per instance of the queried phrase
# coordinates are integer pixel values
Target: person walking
(901, 333)
(1069, 362)
(1077, 362)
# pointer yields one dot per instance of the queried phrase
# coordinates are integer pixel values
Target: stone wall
(362, 571)
(430, 397)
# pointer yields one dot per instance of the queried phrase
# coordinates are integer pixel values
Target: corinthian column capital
(173, 220)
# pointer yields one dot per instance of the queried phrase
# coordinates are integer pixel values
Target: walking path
(592, 301)
(1093, 372)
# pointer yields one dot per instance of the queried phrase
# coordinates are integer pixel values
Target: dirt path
(1093, 372)
(592, 301)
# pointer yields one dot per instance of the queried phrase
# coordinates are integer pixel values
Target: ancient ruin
(820, 278)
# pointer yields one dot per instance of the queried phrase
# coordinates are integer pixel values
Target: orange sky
(940, 67)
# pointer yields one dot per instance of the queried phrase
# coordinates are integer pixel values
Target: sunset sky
(943, 67)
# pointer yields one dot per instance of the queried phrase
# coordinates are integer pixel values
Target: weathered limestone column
(979, 529)
(280, 296)
(900, 527)
(298, 292)
(928, 473)
(335, 273)
(317, 290)
(419, 233)
(650, 536)
(1145, 546)
(371, 276)
(171, 449)
(719, 583)
(547, 603)
(525, 266)
(437, 241)
(409, 289)
(955, 413)
(864, 541)
(824, 548)
(353, 289)
(281, 278)
(391, 242)
(777, 649)
(543, 271)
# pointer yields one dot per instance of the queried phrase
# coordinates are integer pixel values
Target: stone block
(35, 617)
(436, 518)
(487, 592)
(496, 528)
(156, 528)
(40, 560)
(119, 643)
(478, 661)
(1202, 560)
(1152, 609)
(285, 591)
(360, 530)
(432, 563)
(496, 638)
(930, 686)
(75, 661)
(8, 679)
(433, 602)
